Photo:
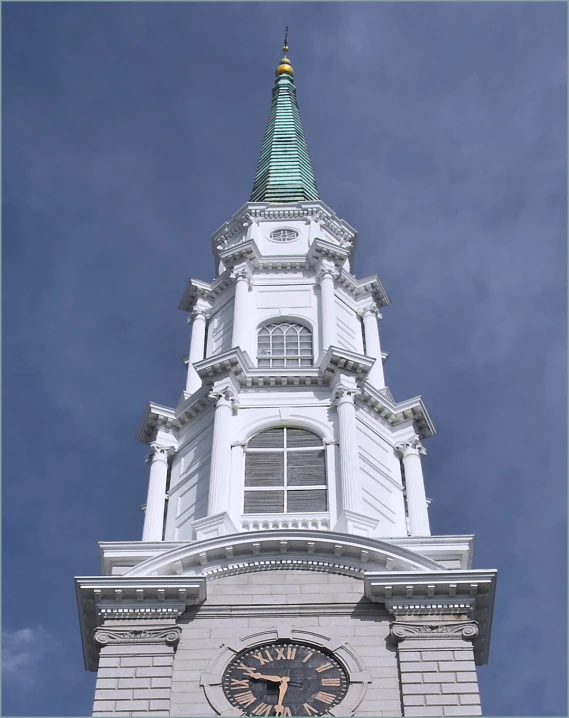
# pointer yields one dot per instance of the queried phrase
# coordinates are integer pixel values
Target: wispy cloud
(23, 653)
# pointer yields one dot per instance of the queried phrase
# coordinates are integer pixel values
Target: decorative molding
(344, 394)
(411, 445)
(353, 664)
(169, 635)
(467, 630)
(159, 452)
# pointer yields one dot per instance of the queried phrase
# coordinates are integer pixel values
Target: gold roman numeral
(323, 667)
(243, 684)
(309, 709)
(280, 653)
(245, 699)
(291, 652)
(325, 697)
(263, 709)
(330, 681)
(260, 658)
(308, 655)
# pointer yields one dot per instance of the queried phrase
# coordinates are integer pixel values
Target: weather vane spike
(285, 46)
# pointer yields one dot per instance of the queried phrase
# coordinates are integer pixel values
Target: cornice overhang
(361, 289)
(117, 557)
(284, 548)
(241, 252)
(321, 249)
(336, 359)
(196, 290)
(469, 593)
(237, 365)
(156, 417)
(314, 210)
(398, 413)
(122, 598)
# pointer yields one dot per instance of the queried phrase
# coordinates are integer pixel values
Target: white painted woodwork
(416, 498)
(220, 453)
(370, 315)
(156, 498)
(327, 305)
(197, 346)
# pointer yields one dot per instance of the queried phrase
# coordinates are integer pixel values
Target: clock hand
(276, 679)
(279, 708)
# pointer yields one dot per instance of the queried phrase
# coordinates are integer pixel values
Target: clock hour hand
(275, 679)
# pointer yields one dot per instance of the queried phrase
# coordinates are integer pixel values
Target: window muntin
(285, 345)
(285, 472)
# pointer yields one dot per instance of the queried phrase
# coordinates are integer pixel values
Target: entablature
(238, 367)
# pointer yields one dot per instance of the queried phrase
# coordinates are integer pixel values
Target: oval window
(284, 234)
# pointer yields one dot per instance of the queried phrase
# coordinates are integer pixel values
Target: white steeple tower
(286, 525)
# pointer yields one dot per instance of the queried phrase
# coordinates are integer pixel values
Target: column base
(213, 526)
(353, 523)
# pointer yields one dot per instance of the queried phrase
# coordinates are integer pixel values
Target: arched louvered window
(284, 345)
(285, 472)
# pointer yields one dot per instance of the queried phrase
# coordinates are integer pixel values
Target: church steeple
(284, 172)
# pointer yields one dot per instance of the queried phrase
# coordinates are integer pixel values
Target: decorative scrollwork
(468, 630)
(169, 634)
(411, 445)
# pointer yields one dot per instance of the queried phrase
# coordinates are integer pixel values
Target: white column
(370, 315)
(156, 499)
(241, 319)
(325, 275)
(412, 450)
(197, 347)
(344, 399)
(219, 481)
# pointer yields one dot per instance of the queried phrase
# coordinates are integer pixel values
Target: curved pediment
(284, 548)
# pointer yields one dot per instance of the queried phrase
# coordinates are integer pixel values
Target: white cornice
(105, 598)
(469, 593)
(237, 364)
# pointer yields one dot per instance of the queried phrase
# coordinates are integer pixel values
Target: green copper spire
(284, 173)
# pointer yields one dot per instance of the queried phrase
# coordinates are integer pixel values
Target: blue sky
(132, 131)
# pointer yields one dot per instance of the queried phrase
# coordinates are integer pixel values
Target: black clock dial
(285, 679)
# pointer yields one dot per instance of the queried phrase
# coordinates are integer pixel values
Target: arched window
(284, 345)
(285, 472)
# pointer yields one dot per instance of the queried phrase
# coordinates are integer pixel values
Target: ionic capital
(223, 397)
(370, 310)
(344, 395)
(242, 272)
(159, 452)
(411, 446)
(326, 268)
(466, 630)
(125, 634)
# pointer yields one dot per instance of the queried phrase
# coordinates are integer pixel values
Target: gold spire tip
(285, 68)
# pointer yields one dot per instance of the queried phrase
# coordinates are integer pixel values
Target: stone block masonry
(436, 664)
(409, 667)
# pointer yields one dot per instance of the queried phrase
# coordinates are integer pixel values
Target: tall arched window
(285, 472)
(284, 345)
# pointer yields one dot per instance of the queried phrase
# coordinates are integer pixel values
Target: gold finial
(285, 68)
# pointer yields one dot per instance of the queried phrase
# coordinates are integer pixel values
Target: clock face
(285, 679)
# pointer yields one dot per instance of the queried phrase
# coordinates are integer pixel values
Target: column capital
(169, 635)
(344, 395)
(411, 446)
(202, 312)
(326, 268)
(223, 397)
(370, 310)
(242, 272)
(160, 452)
(428, 630)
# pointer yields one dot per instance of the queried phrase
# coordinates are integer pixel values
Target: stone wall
(402, 671)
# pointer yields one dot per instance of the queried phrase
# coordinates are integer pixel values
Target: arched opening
(285, 472)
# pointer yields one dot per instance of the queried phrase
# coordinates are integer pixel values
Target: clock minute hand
(279, 708)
